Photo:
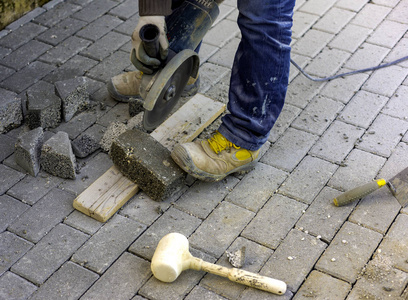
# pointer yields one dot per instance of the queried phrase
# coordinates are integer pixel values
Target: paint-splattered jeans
(260, 72)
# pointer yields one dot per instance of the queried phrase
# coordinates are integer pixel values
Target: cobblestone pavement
(330, 137)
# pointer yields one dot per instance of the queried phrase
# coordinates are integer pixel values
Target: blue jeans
(260, 71)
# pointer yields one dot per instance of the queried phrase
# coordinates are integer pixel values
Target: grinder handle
(149, 34)
(358, 192)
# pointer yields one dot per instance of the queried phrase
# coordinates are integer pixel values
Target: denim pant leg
(260, 71)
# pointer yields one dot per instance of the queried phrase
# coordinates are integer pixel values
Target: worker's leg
(260, 72)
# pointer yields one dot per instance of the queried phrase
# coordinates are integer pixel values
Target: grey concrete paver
(56, 14)
(350, 38)
(371, 15)
(8, 177)
(385, 83)
(11, 209)
(388, 33)
(12, 248)
(397, 106)
(22, 35)
(13, 287)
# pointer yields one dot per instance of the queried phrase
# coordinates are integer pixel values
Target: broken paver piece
(148, 163)
(74, 94)
(11, 113)
(28, 150)
(57, 157)
(88, 142)
(43, 107)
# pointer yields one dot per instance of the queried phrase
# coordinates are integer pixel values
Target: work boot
(213, 159)
(125, 86)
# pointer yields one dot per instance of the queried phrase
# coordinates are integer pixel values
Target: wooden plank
(112, 190)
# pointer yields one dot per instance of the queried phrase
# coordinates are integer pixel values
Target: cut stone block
(28, 150)
(112, 132)
(11, 113)
(88, 142)
(57, 157)
(74, 94)
(148, 163)
(43, 107)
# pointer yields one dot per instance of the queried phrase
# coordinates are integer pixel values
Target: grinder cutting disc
(167, 87)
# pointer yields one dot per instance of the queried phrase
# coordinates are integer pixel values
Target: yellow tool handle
(358, 192)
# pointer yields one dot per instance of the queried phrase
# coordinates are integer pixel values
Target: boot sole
(184, 161)
(115, 95)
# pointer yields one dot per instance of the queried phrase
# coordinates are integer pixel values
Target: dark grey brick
(128, 26)
(256, 294)
(4, 51)
(61, 31)
(202, 197)
(69, 282)
(94, 10)
(5, 72)
(49, 254)
(11, 114)
(116, 278)
(349, 252)
(65, 50)
(8, 178)
(25, 192)
(27, 76)
(199, 292)
(51, 4)
(256, 187)
(22, 35)
(78, 124)
(25, 54)
(97, 29)
(11, 209)
(27, 150)
(172, 220)
(106, 45)
(98, 254)
(56, 14)
(294, 259)
(29, 16)
(111, 66)
(12, 248)
(6, 146)
(88, 142)
(126, 9)
(13, 287)
(119, 113)
(83, 222)
(268, 228)
(37, 221)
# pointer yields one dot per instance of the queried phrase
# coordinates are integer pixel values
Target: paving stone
(25, 192)
(388, 33)
(116, 278)
(394, 246)
(380, 281)
(322, 286)
(221, 227)
(396, 162)
(371, 15)
(38, 220)
(5, 72)
(8, 178)
(221, 33)
(322, 218)
(125, 10)
(88, 142)
(256, 187)
(4, 51)
(65, 50)
(256, 294)
(27, 17)
(111, 66)
(26, 77)
(317, 7)
(301, 91)
(397, 106)
(357, 169)
(287, 115)
(385, 82)
(210, 74)
(302, 22)
(255, 257)
(201, 293)
(319, 172)
(368, 55)
(301, 60)
(363, 108)
(383, 135)
(399, 12)
(327, 62)
(349, 251)
(97, 254)
(128, 26)
(11, 209)
(312, 43)
(13, 287)
(318, 115)
(12, 248)
(56, 14)
(24, 55)
(51, 4)
(173, 220)
(61, 31)
(49, 254)
(220, 90)
(289, 150)
(94, 10)
(337, 142)
(69, 282)
(27, 150)
(98, 28)
(105, 46)
(76, 66)
(334, 20)
(206, 51)
(268, 228)
(6, 146)
(350, 38)
(83, 222)
(376, 211)
(353, 5)
(225, 56)
(21, 35)
(294, 259)
(11, 114)
(155, 289)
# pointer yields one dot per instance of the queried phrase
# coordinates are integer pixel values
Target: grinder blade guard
(186, 28)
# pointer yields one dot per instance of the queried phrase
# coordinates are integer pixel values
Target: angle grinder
(186, 28)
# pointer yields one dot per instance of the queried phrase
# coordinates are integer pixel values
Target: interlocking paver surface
(331, 136)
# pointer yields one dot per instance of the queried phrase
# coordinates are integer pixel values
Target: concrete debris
(88, 142)
(11, 114)
(112, 132)
(28, 150)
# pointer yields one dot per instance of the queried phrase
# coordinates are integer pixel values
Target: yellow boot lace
(219, 143)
